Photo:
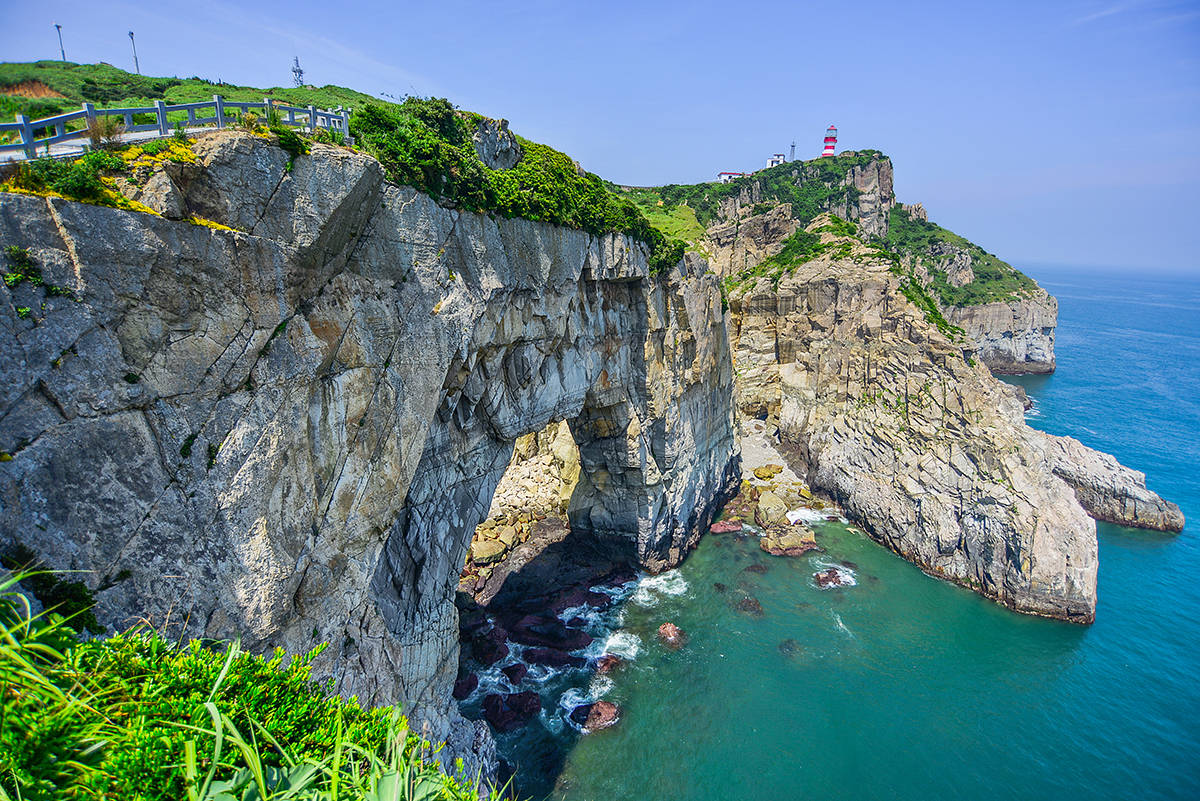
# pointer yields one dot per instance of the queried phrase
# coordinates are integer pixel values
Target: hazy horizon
(1058, 135)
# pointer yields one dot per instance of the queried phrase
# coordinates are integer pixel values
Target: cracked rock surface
(289, 431)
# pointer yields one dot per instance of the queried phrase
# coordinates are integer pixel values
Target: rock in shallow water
(508, 711)
(515, 672)
(465, 686)
(831, 578)
(600, 715)
(608, 663)
(792, 541)
(749, 606)
(725, 527)
(672, 636)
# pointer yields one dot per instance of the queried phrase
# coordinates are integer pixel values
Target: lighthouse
(830, 141)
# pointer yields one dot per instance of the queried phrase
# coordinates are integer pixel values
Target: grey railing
(213, 112)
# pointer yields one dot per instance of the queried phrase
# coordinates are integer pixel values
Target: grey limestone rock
(288, 432)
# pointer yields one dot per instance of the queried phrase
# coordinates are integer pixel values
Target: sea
(900, 686)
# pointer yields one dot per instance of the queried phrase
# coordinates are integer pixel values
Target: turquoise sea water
(905, 687)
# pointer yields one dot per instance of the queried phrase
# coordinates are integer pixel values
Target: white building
(726, 177)
(776, 160)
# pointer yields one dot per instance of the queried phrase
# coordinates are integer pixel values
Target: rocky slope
(750, 220)
(288, 431)
(930, 453)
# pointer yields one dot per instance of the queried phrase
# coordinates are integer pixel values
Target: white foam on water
(846, 576)
(806, 515)
(593, 619)
(651, 589)
(624, 644)
(838, 619)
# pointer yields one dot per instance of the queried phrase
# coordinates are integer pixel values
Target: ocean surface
(901, 686)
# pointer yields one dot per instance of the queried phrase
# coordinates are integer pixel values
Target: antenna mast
(297, 73)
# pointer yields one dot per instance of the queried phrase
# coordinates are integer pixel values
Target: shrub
(426, 144)
(105, 130)
(180, 133)
(248, 121)
(289, 140)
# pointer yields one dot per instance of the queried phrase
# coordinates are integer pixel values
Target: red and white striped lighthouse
(830, 141)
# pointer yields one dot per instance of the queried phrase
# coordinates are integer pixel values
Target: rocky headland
(294, 402)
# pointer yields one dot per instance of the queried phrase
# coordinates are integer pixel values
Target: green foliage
(72, 599)
(426, 144)
(180, 132)
(289, 140)
(799, 248)
(22, 267)
(155, 146)
(995, 280)
(76, 180)
(139, 719)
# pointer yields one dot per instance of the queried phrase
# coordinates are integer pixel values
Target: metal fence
(215, 112)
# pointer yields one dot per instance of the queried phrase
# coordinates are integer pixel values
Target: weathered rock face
(290, 432)
(742, 239)
(1107, 489)
(931, 454)
(1011, 337)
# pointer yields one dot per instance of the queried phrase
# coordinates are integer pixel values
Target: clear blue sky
(1045, 131)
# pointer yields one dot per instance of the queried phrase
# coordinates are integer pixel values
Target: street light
(60, 45)
(136, 68)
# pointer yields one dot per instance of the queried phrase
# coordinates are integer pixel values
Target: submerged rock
(719, 587)
(749, 606)
(755, 568)
(789, 647)
(509, 711)
(596, 716)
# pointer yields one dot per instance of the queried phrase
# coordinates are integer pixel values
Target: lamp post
(136, 68)
(58, 28)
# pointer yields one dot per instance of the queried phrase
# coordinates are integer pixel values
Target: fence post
(27, 136)
(90, 115)
(160, 108)
(267, 111)
(219, 102)
(347, 139)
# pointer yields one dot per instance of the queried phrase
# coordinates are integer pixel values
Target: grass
(108, 87)
(138, 718)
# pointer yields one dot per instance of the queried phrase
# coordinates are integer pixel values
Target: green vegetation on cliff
(427, 144)
(810, 186)
(137, 718)
(919, 240)
(423, 143)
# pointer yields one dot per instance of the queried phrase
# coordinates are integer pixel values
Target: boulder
(608, 663)
(768, 471)
(771, 510)
(790, 541)
(725, 527)
(593, 717)
(465, 686)
(509, 711)
(549, 632)
(484, 552)
(515, 672)
(552, 657)
(830, 578)
(672, 636)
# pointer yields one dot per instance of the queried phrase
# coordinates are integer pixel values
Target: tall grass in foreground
(136, 717)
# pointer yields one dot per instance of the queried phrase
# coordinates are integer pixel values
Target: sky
(1047, 132)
